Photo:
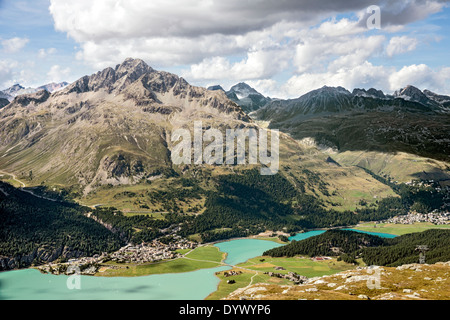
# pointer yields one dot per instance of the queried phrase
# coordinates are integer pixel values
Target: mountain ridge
(409, 121)
(245, 96)
(17, 90)
(114, 125)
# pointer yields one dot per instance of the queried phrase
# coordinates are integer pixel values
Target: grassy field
(402, 167)
(300, 265)
(242, 280)
(200, 258)
(138, 200)
(341, 188)
(399, 229)
(253, 272)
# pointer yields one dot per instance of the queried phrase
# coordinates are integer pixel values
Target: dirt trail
(23, 185)
(14, 178)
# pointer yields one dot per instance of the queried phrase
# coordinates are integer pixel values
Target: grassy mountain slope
(404, 136)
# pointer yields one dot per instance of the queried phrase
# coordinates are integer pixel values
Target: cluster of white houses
(150, 252)
(435, 217)
(142, 253)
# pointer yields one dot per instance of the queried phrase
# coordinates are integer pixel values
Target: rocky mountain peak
(411, 93)
(216, 88)
(133, 68)
(243, 90)
(443, 99)
(325, 93)
(110, 79)
(371, 93)
(333, 90)
(14, 89)
(52, 87)
(247, 97)
(112, 127)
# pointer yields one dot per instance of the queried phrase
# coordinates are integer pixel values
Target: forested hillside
(403, 250)
(349, 245)
(35, 231)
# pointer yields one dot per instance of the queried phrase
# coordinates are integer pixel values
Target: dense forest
(331, 243)
(403, 249)
(349, 245)
(247, 203)
(135, 229)
(33, 229)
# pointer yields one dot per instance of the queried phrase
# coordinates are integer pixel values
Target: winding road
(14, 178)
(223, 263)
(23, 185)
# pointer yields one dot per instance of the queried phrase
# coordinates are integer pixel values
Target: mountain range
(409, 121)
(17, 90)
(367, 128)
(245, 96)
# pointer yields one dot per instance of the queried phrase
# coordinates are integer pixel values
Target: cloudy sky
(283, 48)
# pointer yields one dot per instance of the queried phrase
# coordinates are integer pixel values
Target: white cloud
(319, 52)
(58, 74)
(267, 87)
(222, 41)
(12, 72)
(43, 53)
(365, 75)
(399, 45)
(85, 20)
(184, 31)
(14, 45)
(421, 76)
(257, 65)
(368, 76)
(5, 73)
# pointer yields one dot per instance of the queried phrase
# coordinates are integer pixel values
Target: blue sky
(282, 48)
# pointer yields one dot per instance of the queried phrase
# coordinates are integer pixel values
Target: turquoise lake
(239, 251)
(379, 234)
(30, 284)
(306, 235)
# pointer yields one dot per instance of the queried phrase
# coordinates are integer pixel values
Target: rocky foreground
(407, 282)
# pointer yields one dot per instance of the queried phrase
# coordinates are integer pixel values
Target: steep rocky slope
(112, 127)
(245, 96)
(410, 122)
